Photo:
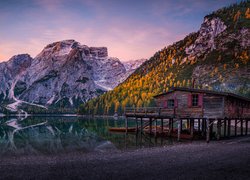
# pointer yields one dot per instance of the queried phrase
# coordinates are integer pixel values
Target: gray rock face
(10, 70)
(65, 72)
(205, 40)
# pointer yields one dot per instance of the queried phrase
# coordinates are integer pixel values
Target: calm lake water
(53, 135)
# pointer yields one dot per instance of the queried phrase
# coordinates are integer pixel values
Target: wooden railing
(149, 111)
(161, 111)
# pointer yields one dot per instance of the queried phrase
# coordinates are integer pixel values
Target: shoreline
(225, 159)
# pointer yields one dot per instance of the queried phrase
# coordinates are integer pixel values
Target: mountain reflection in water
(53, 135)
(48, 136)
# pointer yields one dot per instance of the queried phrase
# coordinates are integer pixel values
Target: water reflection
(50, 135)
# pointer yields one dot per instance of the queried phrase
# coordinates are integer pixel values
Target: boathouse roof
(192, 90)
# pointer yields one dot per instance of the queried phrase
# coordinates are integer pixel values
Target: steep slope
(216, 57)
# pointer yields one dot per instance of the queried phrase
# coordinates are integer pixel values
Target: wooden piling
(218, 129)
(192, 128)
(155, 133)
(225, 127)
(235, 127)
(246, 127)
(208, 130)
(199, 125)
(211, 122)
(126, 124)
(150, 125)
(229, 128)
(161, 125)
(169, 126)
(179, 129)
(137, 127)
(241, 127)
(141, 126)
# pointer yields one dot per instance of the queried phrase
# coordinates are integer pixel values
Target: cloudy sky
(131, 29)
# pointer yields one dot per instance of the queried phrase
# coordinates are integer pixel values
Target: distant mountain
(215, 57)
(64, 75)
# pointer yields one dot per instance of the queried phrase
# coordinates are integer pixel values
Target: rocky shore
(226, 159)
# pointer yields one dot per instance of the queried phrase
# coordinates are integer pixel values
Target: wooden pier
(159, 121)
(193, 113)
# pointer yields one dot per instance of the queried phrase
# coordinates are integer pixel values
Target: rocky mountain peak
(19, 63)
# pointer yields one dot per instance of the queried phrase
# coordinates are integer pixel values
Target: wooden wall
(213, 106)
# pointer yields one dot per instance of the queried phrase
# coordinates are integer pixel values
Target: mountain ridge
(63, 75)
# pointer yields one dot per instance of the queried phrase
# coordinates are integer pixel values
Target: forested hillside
(216, 57)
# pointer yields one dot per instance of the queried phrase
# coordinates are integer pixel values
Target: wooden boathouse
(186, 112)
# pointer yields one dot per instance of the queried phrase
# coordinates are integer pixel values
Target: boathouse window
(171, 103)
(195, 99)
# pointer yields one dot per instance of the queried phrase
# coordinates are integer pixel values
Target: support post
(241, 127)
(218, 129)
(199, 125)
(179, 129)
(126, 124)
(169, 127)
(137, 127)
(155, 127)
(161, 125)
(141, 126)
(208, 130)
(225, 127)
(150, 125)
(235, 127)
(181, 124)
(246, 127)
(192, 128)
(229, 128)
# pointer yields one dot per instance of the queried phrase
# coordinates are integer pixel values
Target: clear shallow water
(53, 135)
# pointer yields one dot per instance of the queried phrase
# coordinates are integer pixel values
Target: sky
(130, 29)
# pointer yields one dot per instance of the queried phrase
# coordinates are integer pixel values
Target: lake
(53, 135)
